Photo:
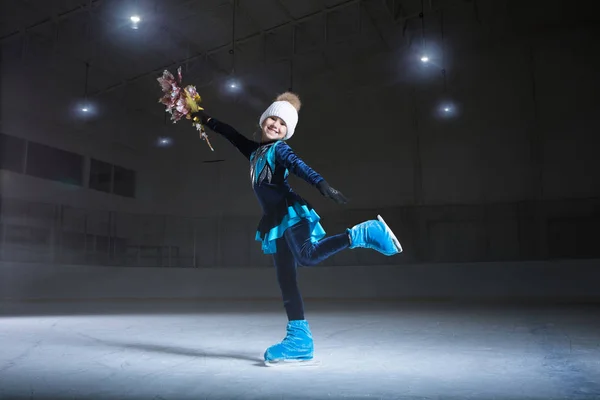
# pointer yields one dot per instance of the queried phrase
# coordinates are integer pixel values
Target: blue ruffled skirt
(273, 225)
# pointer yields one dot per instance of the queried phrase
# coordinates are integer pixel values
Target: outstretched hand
(331, 193)
(204, 117)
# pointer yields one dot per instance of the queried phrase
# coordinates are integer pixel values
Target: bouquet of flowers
(181, 101)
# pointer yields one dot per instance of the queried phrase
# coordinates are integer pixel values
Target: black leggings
(294, 249)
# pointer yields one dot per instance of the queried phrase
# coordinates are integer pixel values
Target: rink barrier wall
(46, 233)
(568, 280)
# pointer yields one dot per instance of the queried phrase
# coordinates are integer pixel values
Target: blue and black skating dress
(270, 164)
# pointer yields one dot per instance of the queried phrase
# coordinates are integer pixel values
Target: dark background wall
(509, 174)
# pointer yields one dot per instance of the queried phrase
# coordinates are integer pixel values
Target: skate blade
(394, 238)
(292, 363)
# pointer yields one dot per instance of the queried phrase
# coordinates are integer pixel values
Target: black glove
(331, 193)
(204, 117)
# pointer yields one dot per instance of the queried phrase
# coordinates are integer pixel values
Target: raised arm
(242, 143)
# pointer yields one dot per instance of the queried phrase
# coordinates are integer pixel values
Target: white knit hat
(286, 107)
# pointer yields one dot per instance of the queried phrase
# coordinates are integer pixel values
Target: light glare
(135, 19)
(164, 142)
(447, 109)
(233, 85)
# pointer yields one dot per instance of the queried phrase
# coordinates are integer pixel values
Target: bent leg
(376, 235)
(308, 253)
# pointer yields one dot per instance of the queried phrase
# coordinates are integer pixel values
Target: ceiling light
(164, 142)
(233, 85)
(447, 109)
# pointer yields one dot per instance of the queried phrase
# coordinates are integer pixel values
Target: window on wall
(124, 182)
(47, 162)
(12, 153)
(112, 178)
(100, 175)
(54, 164)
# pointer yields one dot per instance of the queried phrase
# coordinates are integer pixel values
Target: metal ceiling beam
(395, 8)
(208, 61)
(59, 16)
(184, 43)
(244, 10)
(284, 9)
(227, 46)
(377, 29)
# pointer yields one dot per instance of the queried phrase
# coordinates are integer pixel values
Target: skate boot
(297, 346)
(374, 235)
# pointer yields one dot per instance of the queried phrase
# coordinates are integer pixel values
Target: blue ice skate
(374, 235)
(297, 346)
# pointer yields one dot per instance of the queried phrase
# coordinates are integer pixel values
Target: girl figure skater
(289, 229)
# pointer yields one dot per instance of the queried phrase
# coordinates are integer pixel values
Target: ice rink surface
(180, 350)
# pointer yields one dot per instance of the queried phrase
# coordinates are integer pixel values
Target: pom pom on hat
(291, 98)
(286, 107)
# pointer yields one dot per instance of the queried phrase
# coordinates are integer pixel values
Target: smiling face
(273, 128)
